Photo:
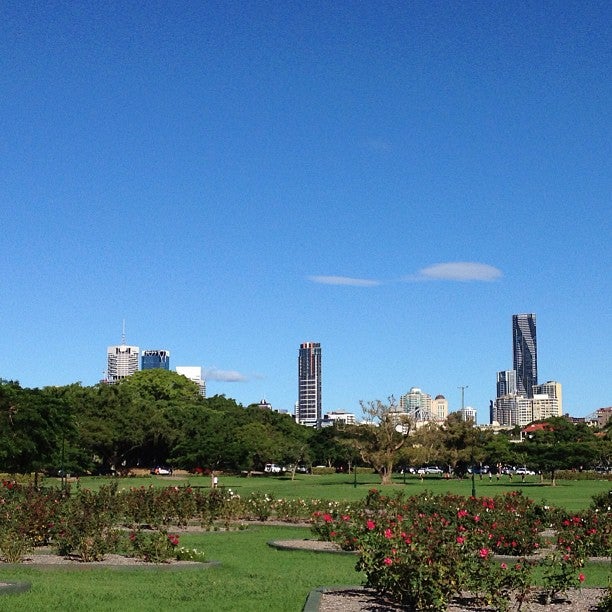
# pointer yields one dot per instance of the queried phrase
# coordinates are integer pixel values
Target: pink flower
(327, 518)
(387, 561)
(581, 577)
(370, 524)
(484, 553)
(388, 534)
(460, 540)
(173, 538)
(504, 566)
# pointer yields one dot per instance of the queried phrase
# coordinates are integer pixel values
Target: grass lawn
(569, 494)
(252, 577)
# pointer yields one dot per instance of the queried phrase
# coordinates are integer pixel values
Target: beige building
(517, 410)
(439, 409)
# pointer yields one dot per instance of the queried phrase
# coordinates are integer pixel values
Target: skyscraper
(506, 382)
(308, 410)
(417, 404)
(155, 359)
(525, 353)
(122, 361)
(193, 373)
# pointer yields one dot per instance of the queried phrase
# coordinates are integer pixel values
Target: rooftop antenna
(123, 333)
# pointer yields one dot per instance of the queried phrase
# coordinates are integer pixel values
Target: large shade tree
(558, 444)
(32, 424)
(380, 438)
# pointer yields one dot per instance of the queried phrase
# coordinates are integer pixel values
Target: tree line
(157, 417)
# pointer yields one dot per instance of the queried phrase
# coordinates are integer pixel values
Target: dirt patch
(365, 600)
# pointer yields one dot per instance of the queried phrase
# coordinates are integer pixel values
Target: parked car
(273, 468)
(430, 469)
(162, 471)
(406, 469)
(477, 469)
(523, 471)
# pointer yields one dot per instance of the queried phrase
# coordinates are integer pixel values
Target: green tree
(464, 444)
(159, 385)
(425, 446)
(205, 436)
(328, 446)
(31, 426)
(381, 437)
(560, 445)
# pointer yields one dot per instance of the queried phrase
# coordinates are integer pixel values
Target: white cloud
(344, 280)
(225, 375)
(458, 271)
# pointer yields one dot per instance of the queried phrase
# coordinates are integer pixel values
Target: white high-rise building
(553, 390)
(515, 409)
(193, 373)
(122, 361)
(417, 405)
(469, 414)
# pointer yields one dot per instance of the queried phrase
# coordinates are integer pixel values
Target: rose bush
(422, 550)
(153, 546)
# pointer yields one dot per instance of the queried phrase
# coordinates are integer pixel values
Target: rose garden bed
(420, 552)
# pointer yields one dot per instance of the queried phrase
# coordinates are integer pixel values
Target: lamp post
(63, 481)
(463, 388)
(473, 480)
(462, 400)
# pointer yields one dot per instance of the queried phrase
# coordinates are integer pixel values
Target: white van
(272, 468)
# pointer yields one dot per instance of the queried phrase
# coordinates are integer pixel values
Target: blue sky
(393, 180)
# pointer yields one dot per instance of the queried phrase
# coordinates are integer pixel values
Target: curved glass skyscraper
(525, 353)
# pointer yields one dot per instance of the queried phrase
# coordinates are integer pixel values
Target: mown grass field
(251, 576)
(569, 494)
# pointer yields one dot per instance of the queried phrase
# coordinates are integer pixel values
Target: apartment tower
(525, 353)
(308, 409)
(122, 361)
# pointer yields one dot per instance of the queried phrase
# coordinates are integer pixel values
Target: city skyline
(392, 180)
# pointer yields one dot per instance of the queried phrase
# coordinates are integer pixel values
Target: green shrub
(153, 546)
(323, 470)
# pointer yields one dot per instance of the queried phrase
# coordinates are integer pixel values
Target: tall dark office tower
(308, 410)
(525, 353)
(155, 360)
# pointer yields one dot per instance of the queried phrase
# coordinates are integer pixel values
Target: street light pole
(462, 400)
(463, 388)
